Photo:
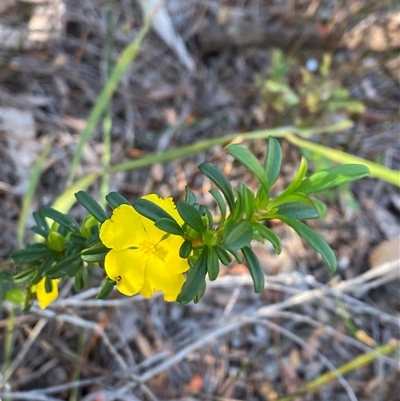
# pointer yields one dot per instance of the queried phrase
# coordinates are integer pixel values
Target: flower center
(149, 248)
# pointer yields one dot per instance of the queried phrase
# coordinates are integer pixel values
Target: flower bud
(87, 224)
(56, 241)
(16, 296)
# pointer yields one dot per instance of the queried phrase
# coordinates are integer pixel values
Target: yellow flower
(46, 298)
(140, 259)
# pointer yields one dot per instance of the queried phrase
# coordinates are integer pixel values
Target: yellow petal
(126, 267)
(162, 280)
(44, 298)
(123, 230)
(174, 263)
(147, 290)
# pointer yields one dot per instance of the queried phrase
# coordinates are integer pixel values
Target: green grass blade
(125, 60)
(376, 170)
(67, 199)
(28, 197)
(356, 363)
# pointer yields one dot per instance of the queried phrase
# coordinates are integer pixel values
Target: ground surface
(234, 344)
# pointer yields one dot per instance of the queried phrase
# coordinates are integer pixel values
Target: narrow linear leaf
(270, 236)
(48, 262)
(106, 288)
(212, 264)
(216, 194)
(62, 264)
(194, 279)
(65, 220)
(249, 202)
(200, 292)
(185, 249)
(298, 210)
(320, 206)
(190, 197)
(151, 210)
(101, 249)
(40, 231)
(253, 264)
(326, 179)
(223, 255)
(40, 220)
(219, 180)
(115, 199)
(301, 172)
(29, 255)
(237, 235)
(245, 157)
(190, 216)
(91, 206)
(314, 239)
(78, 239)
(273, 160)
(70, 270)
(169, 226)
(92, 240)
(237, 255)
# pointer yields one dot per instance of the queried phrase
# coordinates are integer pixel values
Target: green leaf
(48, 285)
(190, 216)
(40, 220)
(245, 157)
(69, 271)
(78, 238)
(223, 255)
(194, 279)
(270, 236)
(200, 292)
(314, 239)
(253, 264)
(47, 263)
(95, 254)
(249, 202)
(40, 231)
(212, 263)
(106, 288)
(65, 220)
(273, 160)
(237, 235)
(23, 276)
(91, 206)
(298, 210)
(30, 254)
(219, 180)
(185, 249)
(301, 172)
(59, 266)
(216, 194)
(332, 177)
(115, 199)
(80, 278)
(151, 210)
(238, 256)
(169, 226)
(190, 197)
(320, 206)
(92, 240)
(239, 208)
